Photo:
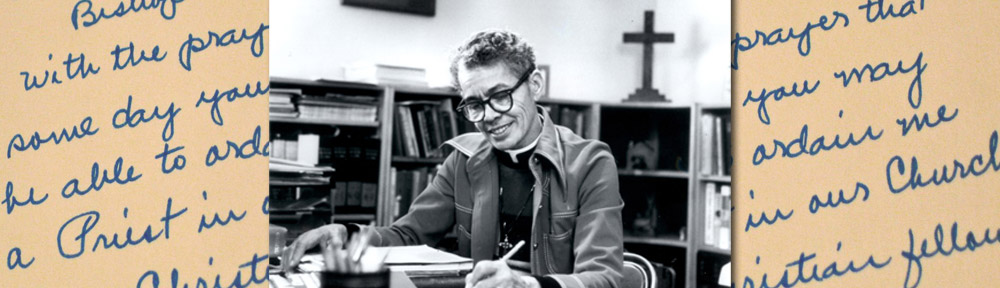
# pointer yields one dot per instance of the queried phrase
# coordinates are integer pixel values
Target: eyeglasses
(502, 101)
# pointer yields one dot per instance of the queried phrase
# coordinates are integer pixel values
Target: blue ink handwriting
(130, 59)
(196, 44)
(941, 247)
(777, 95)
(938, 178)
(179, 161)
(877, 72)
(97, 181)
(134, 118)
(230, 96)
(919, 123)
(881, 14)
(267, 205)
(36, 140)
(797, 146)
(799, 270)
(763, 217)
(89, 222)
(83, 13)
(247, 150)
(216, 220)
(77, 66)
(15, 260)
(743, 43)
(152, 279)
(815, 203)
(10, 201)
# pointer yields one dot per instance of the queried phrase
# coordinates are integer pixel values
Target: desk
(398, 279)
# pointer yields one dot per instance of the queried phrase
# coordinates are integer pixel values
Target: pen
(512, 251)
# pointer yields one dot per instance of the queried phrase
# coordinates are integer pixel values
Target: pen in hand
(473, 277)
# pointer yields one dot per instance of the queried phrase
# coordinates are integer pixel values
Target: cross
(647, 38)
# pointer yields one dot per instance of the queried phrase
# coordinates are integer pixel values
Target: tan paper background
(32, 30)
(959, 43)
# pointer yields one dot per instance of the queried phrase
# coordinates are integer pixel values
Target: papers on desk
(420, 258)
(416, 261)
(422, 254)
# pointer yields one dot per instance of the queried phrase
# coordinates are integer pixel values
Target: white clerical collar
(513, 153)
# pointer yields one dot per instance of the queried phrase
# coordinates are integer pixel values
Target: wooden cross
(647, 38)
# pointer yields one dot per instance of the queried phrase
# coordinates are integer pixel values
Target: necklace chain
(505, 244)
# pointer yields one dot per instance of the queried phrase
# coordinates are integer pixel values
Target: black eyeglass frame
(506, 93)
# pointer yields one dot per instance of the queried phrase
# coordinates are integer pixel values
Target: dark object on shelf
(419, 7)
(641, 155)
(645, 221)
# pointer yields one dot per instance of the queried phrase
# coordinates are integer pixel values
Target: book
(308, 151)
(717, 147)
(278, 148)
(340, 198)
(353, 193)
(386, 74)
(409, 134)
(705, 141)
(369, 194)
(338, 107)
(403, 192)
(292, 150)
(709, 213)
(725, 217)
(422, 131)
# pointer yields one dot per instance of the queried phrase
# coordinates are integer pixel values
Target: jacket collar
(479, 150)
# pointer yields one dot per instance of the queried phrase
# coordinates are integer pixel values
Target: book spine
(369, 194)
(422, 132)
(353, 193)
(308, 152)
(709, 213)
(340, 199)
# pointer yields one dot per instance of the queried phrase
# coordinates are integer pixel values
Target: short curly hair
(490, 47)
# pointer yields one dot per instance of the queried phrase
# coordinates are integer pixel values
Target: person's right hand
(332, 235)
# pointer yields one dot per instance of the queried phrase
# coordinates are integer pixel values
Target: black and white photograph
(426, 143)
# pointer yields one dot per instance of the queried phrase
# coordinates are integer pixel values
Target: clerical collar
(520, 153)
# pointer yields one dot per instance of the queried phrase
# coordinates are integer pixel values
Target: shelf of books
(422, 119)
(651, 144)
(714, 188)
(325, 152)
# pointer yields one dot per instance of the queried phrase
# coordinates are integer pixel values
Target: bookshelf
(350, 148)
(714, 194)
(658, 147)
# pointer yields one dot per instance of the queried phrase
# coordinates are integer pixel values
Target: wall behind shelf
(315, 38)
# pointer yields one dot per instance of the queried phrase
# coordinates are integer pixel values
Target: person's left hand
(497, 274)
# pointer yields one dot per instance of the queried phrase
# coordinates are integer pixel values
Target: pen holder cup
(331, 279)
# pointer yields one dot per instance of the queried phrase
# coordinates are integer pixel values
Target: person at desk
(521, 178)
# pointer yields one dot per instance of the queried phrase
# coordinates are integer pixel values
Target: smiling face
(516, 128)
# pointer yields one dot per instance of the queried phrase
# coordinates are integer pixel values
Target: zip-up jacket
(576, 237)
